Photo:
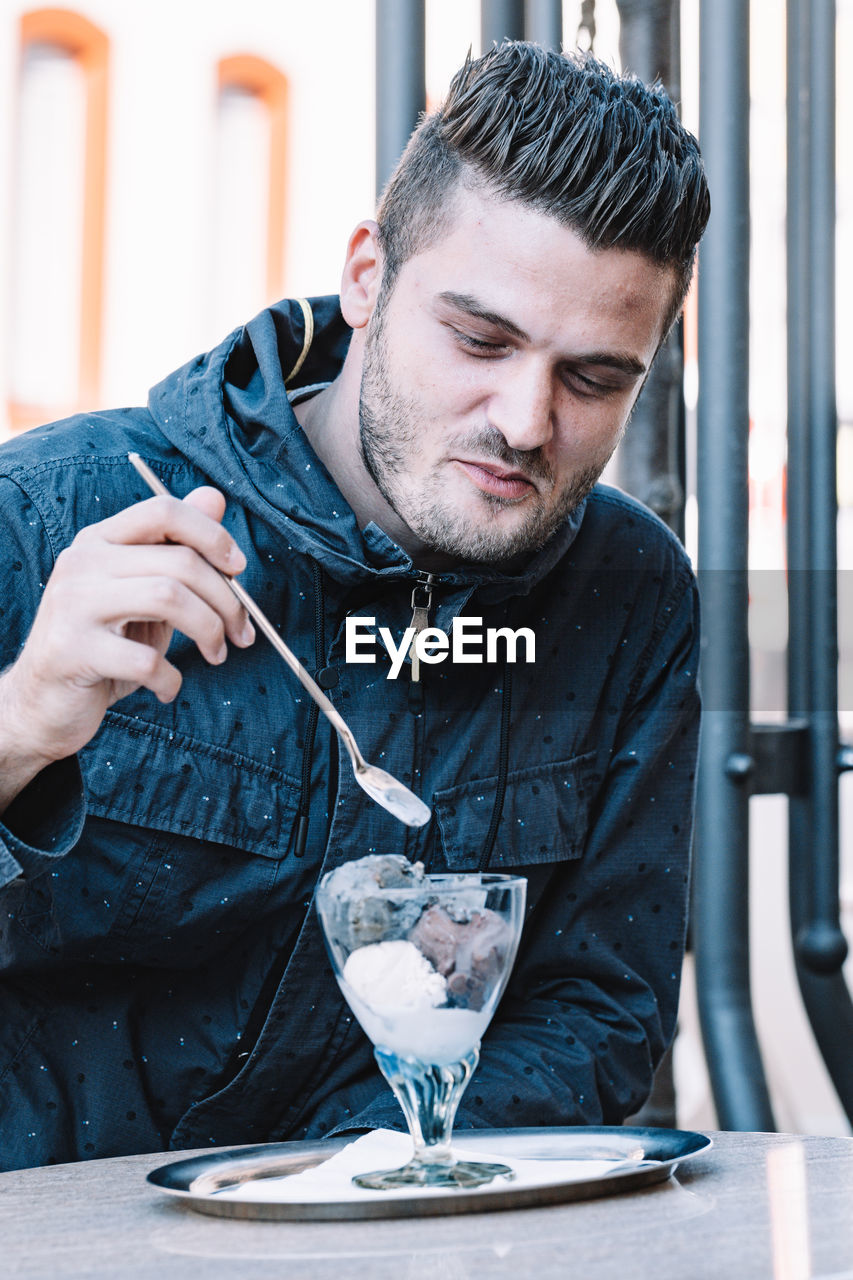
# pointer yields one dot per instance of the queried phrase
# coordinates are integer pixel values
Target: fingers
(202, 608)
(190, 522)
(207, 500)
(127, 662)
(181, 566)
(108, 612)
(165, 538)
(165, 599)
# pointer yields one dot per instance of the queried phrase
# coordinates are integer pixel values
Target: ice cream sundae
(422, 965)
(422, 961)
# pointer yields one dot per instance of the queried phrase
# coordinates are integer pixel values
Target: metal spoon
(379, 785)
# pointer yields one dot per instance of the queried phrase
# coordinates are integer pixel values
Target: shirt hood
(228, 411)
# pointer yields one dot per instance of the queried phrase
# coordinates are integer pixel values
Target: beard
(392, 427)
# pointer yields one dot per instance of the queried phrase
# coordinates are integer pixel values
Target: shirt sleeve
(43, 822)
(592, 1003)
(46, 820)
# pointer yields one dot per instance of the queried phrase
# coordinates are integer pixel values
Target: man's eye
(587, 386)
(478, 345)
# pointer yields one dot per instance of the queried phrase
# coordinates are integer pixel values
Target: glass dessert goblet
(422, 961)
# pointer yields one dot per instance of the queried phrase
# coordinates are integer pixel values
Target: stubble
(391, 427)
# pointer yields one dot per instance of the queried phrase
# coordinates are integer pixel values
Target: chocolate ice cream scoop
(361, 914)
(470, 953)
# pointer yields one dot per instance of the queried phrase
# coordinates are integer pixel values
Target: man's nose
(522, 407)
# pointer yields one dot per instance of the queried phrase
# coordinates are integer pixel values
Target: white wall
(163, 56)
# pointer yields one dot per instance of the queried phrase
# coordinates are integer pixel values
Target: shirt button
(327, 677)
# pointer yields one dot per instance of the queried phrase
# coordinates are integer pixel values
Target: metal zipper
(421, 605)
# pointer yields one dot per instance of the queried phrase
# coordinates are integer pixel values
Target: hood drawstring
(503, 769)
(300, 836)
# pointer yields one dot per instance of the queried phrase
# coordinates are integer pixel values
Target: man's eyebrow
(614, 360)
(618, 361)
(465, 302)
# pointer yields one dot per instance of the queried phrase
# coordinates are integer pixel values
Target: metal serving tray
(648, 1156)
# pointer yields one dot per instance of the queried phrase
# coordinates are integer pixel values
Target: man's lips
(496, 481)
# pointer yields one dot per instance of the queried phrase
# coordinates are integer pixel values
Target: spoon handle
(263, 623)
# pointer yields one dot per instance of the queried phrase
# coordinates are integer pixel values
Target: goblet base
(420, 1173)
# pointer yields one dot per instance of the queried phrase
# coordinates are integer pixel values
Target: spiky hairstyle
(604, 154)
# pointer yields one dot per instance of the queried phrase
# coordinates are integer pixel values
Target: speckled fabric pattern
(164, 982)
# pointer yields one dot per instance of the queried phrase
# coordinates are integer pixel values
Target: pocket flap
(150, 776)
(544, 818)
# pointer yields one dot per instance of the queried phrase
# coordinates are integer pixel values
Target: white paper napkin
(387, 1149)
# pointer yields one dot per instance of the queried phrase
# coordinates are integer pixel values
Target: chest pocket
(149, 776)
(183, 845)
(544, 818)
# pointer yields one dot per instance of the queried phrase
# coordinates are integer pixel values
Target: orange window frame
(89, 46)
(255, 75)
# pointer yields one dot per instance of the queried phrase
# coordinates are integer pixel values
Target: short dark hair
(604, 154)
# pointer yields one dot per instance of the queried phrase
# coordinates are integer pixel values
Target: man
(426, 448)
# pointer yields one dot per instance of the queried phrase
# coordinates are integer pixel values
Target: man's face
(499, 375)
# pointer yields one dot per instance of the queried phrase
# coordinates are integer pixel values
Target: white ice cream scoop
(394, 976)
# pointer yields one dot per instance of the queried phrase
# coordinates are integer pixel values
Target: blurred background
(168, 168)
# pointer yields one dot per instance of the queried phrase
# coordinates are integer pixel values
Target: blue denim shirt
(164, 982)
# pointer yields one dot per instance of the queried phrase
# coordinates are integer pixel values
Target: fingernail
(236, 559)
(247, 635)
(221, 653)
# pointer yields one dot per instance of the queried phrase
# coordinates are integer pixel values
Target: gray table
(728, 1215)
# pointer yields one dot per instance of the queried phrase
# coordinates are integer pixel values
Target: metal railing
(819, 944)
(802, 756)
(720, 915)
(400, 79)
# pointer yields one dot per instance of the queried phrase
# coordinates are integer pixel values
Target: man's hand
(105, 621)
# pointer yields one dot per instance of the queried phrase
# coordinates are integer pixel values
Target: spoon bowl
(392, 795)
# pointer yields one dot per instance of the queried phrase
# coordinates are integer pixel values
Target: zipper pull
(421, 604)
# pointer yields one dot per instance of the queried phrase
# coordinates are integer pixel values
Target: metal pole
(819, 944)
(650, 459)
(545, 23)
(646, 43)
(400, 79)
(799, 356)
(822, 945)
(721, 876)
(501, 20)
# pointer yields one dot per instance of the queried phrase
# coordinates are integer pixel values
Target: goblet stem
(429, 1096)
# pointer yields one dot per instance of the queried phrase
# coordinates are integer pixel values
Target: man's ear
(362, 275)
